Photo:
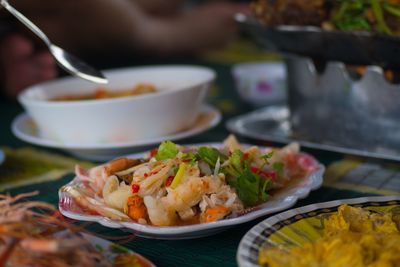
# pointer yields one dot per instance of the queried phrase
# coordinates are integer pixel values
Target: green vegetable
(179, 175)
(210, 155)
(192, 158)
(267, 156)
(351, 16)
(167, 150)
(235, 166)
(395, 11)
(354, 15)
(382, 26)
(247, 188)
(251, 187)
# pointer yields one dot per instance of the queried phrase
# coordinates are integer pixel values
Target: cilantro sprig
(252, 187)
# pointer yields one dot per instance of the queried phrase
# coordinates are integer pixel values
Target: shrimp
(94, 204)
(287, 151)
(96, 176)
(116, 195)
(187, 214)
(214, 214)
(231, 143)
(159, 214)
(136, 209)
(189, 193)
(225, 196)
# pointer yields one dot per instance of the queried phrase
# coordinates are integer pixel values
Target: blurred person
(117, 28)
(21, 65)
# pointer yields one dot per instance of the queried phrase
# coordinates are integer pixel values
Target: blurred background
(111, 34)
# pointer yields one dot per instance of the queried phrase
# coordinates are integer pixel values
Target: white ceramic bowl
(174, 107)
(261, 83)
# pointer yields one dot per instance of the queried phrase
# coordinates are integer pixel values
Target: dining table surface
(218, 249)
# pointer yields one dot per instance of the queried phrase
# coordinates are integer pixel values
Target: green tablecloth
(217, 250)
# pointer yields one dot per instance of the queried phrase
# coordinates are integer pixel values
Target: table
(217, 250)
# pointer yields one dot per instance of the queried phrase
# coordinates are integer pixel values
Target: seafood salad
(179, 185)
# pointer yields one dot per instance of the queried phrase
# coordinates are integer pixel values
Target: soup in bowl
(67, 109)
(102, 93)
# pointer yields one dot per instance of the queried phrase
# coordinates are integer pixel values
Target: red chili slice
(135, 188)
(153, 152)
(169, 180)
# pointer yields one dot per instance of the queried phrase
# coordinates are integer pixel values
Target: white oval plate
(25, 129)
(254, 239)
(281, 200)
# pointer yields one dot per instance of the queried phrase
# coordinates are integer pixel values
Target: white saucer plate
(280, 200)
(25, 129)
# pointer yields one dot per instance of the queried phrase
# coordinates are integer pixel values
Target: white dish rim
(37, 140)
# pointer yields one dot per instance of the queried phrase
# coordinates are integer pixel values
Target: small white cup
(261, 83)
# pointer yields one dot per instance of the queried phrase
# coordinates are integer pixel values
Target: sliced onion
(204, 168)
(217, 167)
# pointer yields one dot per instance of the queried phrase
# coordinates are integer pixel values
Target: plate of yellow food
(353, 232)
(187, 191)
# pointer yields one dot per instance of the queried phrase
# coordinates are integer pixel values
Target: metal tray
(358, 48)
(272, 124)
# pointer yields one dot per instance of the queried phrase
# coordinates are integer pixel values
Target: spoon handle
(25, 21)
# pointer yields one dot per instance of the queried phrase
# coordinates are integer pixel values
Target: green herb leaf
(247, 188)
(267, 156)
(265, 187)
(250, 187)
(236, 160)
(167, 150)
(210, 155)
(380, 19)
(393, 10)
(191, 157)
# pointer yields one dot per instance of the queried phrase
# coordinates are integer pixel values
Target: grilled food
(382, 16)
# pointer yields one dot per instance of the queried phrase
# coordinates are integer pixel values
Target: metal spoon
(68, 62)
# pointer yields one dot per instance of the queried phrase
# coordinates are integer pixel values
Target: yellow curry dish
(352, 237)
